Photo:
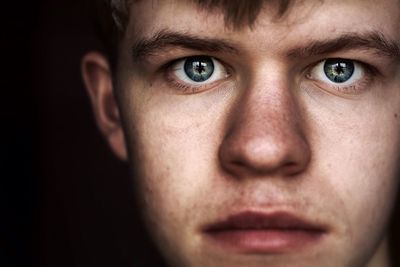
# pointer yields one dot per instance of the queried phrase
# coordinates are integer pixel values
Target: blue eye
(338, 70)
(199, 69)
(339, 73)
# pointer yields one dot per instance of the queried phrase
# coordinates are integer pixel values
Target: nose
(265, 135)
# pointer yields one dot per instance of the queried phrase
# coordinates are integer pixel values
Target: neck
(381, 257)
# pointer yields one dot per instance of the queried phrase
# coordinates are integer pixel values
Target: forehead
(316, 17)
(304, 22)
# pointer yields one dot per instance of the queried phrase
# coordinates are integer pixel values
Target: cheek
(174, 142)
(358, 150)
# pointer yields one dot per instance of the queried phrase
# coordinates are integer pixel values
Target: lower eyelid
(186, 88)
(174, 81)
(356, 87)
(352, 89)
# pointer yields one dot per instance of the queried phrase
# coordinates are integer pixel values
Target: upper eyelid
(174, 61)
(171, 63)
(193, 88)
(310, 67)
(367, 66)
(354, 88)
(307, 69)
(313, 62)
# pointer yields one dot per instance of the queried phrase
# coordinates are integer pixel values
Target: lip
(266, 233)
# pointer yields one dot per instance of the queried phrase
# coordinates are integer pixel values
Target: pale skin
(269, 133)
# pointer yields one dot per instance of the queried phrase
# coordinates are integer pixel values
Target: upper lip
(249, 220)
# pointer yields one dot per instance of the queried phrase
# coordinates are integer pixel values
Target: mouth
(270, 233)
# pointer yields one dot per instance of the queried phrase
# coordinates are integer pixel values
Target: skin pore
(267, 132)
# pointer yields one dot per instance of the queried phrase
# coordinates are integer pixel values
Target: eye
(197, 71)
(338, 72)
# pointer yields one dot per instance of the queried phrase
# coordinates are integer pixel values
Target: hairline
(233, 17)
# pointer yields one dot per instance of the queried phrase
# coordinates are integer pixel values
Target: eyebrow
(367, 41)
(165, 39)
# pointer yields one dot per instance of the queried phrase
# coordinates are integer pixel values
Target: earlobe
(97, 77)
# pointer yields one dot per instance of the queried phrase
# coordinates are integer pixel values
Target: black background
(65, 200)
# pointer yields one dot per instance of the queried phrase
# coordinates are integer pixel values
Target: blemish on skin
(395, 115)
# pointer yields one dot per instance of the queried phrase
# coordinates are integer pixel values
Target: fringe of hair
(238, 13)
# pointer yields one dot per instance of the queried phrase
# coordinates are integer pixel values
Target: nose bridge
(265, 134)
(268, 116)
(266, 110)
(268, 104)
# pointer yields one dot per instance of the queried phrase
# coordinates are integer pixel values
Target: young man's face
(276, 145)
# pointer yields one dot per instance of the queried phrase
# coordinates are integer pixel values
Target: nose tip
(265, 139)
(246, 155)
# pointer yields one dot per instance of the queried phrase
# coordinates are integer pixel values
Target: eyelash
(368, 74)
(186, 88)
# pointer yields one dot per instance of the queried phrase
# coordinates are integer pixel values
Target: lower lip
(271, 241)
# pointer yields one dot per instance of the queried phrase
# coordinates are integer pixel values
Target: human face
(277, 137)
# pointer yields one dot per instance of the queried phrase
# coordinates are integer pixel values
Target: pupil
(199, 69)
(339, 70)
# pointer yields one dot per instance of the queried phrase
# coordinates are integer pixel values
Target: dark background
(64, 199)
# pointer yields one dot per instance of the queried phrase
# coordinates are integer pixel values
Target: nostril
(246, 156)
(291, 168)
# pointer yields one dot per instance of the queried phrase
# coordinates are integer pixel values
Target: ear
(97, 76)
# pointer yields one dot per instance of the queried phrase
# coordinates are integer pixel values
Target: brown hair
(113, 16)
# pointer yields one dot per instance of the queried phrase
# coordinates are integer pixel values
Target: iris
(339, 70)
(199, 68)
